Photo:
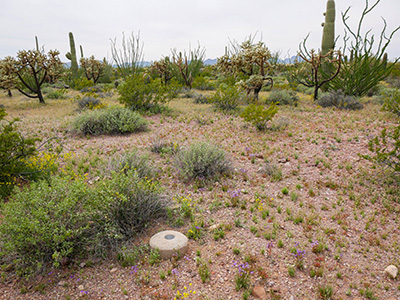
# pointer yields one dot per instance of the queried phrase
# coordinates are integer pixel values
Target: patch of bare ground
(323, 199)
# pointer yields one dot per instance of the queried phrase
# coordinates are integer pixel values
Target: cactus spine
(328, 36)
(72, 56)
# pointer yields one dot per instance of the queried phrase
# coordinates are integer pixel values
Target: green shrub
(131, 161)
(392, 102)
(81, 83)
(227, 97)
(386, 148)
(14, 151)
(258, 115)
(202, 161)
(89, 103)
(339, 100)
(46, 223)
(144, 94)
(283, 97)
(115, 120)
(134, 203)
(203, 84)
(54, 93)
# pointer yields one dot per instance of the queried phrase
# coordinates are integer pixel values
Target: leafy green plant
(47, 223)
(242, 277)
(140, 92)
(204, 270)
(202, 160)
(14, 151)
(258, 115)
(283, 97)
(88, 102)
(392, 102)
(130, 161)
(227, 97)
(386, 148)
(115, 120)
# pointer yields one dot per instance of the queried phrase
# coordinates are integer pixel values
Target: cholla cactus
(251, 60)
(93, 68)
(162, 68)
(8, 78)
(30, 70)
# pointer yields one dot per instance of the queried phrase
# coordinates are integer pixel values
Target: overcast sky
(167, 24)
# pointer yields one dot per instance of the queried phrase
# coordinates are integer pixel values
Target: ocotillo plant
(328, 36)
(72, 56)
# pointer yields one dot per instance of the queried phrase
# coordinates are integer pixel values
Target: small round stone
(169, 242)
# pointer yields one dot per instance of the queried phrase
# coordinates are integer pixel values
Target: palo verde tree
(367, 63)
(30, 70)
(250, 61)
(187, 65)
(93, 68)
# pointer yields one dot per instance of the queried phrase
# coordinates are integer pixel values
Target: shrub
(81, 83)
(131, 161)
(283, 97)
(258, 115)
(386, 148)
(339, 100)
(46, 223)
(392, 102)
(89, 103)
(134, 202)
(115, 120)
(202, 161)
(145, 94)
(203, 84)
(227, 97)
(14, 151)
(54, 93)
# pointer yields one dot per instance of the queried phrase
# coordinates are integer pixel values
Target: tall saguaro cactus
(328, 36)
(72, 56)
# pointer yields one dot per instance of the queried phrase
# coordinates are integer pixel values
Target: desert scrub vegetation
(202, 160)
(259, 115)
(283, 97)
(114, 120)
(51, 222)
(339, 100)
(227, 97)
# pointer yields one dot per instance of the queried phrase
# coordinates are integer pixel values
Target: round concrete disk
(169, 242)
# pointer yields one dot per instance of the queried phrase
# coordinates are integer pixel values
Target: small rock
(82, 265)
(113, 270)
(291, 298)
(81, 287)
(391, 271)
(259, 292)
(215, 226)
(61, 283)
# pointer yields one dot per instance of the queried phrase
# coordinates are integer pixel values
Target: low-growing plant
(47, 223)
(204, 270)
(89, 103)
(339, 100)
(283, 97)
(386, 148)
(227, 98)
(132, 256)
(130, 161)
(243, 275)
(392, 102)
(258, 115)
(115, 120)
(202, 160)
(14, 151)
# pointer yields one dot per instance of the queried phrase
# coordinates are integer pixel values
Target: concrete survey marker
(169, 242)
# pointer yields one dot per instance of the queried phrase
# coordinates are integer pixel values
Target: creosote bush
(14, 151)
(339, 100)
(258, 115)
(51, 222)
(283, 97)
(227, 98)
(115, 120)
(202, 160)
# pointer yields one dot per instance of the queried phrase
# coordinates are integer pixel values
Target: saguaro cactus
(328, 36)
(72, 56)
